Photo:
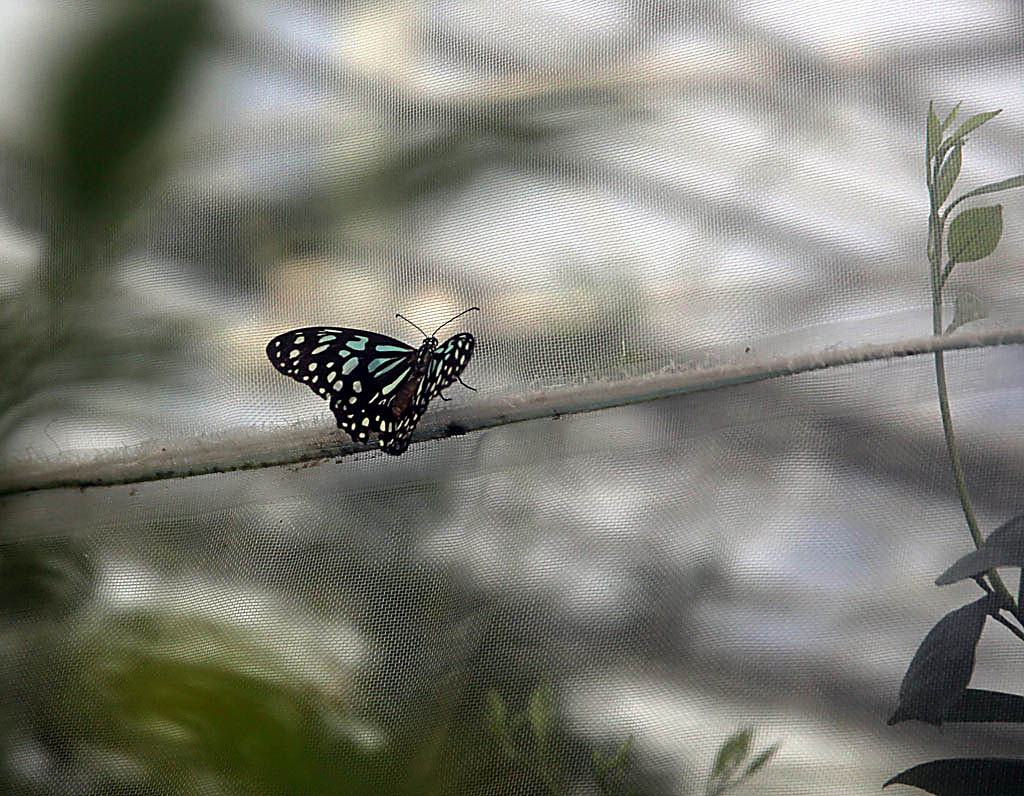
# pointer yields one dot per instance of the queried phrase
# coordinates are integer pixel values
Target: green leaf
(761, 760)
(934, 134)
(1004, 547)
(541, 712)
(952, 115)
(943, 664)
(731, 753)
(975, 233)
(968, 308)
(497, 715)
(974, 123)
(118, 89)
(992, 187)
(964, 776)
(948, 173)
(622, 756)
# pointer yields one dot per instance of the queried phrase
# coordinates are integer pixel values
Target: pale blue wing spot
(350, 365)
(319, 349)
(386, 390)
(386, 348)
(394, 364)
(357, 343)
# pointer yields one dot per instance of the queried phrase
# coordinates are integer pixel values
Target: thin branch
(250, 449)
(939, 275)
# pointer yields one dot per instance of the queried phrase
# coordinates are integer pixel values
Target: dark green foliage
(1004, 547)
(943, 664)
(116, 94)
(968, 776)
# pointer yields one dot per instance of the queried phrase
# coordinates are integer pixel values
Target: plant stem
(938, 280)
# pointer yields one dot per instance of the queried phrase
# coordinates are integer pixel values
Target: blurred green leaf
(611, 772)
(732, 752)
(622, 756)
(726, 774)
(497, 714)
(761, 760)
(118, 89)
(975, 233)
(947, 174)
(542, 712)
(43, 579)
(154, 702)
(55, 355)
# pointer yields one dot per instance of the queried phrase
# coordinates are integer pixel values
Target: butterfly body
(374, 384)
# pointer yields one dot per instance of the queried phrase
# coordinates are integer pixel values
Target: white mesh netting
(704, 484)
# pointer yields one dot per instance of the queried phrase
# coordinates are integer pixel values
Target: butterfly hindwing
(373, 383)
(448, 362)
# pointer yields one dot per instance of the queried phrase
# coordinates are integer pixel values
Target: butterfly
(375, 384)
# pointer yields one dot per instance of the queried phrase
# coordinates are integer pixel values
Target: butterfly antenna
(439, 328)
(417, 328)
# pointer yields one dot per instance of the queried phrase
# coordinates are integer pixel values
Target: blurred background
(588, 603)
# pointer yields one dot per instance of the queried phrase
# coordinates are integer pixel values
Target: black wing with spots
(350, 368)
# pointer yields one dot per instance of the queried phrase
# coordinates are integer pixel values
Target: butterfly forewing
(374, 383)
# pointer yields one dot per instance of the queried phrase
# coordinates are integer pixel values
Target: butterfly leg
(465, 385)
